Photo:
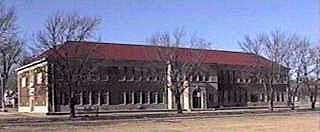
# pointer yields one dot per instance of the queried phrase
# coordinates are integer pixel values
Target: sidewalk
(21, 118)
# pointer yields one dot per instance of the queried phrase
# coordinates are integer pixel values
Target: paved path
(25, 119)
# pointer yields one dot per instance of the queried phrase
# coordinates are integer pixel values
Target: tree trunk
(2, 94)
(313, 101)
(72, 106)
(313, 105)
(271, 105)
(292, 103)
(293, 96)
(178, 103)
(271, 101)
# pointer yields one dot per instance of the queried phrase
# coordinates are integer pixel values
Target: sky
(223, 22)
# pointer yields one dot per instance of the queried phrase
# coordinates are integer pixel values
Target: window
(260, 81)
(195, 78)
(104, 76)
(149, 78)
(77, 97)
(245, 95)
(85, 97)
(282, 97)
(144, 97)
(233, 77)
(128, 97)
(262, 97)
(121, 97)
(211, 97)
(94, 97)
(254, 98)
(104, 97)
(160, 97)
(64, 98)
(31, 82)
(201, 77)
(39, 78)
(125, 70)
(136, 97)
(234, 96)
(227, 74)
(238, 80)
(23, 82)
(229, 96)
(206, 78)
(153, 97)
(156, 78)
(278, 97)
(61, 99)
(94, 77)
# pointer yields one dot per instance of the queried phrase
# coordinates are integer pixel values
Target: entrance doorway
(196, 98)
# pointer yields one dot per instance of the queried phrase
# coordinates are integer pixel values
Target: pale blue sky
(223, 22)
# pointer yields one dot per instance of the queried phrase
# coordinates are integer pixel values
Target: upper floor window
(39, 78)
(238, 80)
(31, 81)
(24, 82)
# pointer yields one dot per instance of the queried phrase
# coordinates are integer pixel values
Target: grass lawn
(282, 123)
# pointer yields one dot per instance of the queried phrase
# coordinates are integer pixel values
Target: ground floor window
(144, 97)
(104, 98)
(246, 96)
(160, 97)
(66, 98)
(278, 97)
(254, 98)
(85, 97)
(114, 98)
(211, 97)
(153, 97)
(95, 97)
(234, 96)
(63, 100)
(121, 97)
(240, 97)
(229, 97)
(136, 97)
(128, 97)
(77, 96)
(262, 97)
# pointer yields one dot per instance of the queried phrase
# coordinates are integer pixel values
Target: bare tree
(10, 46)
(58, 31)
(181, 63)
(315, 62)
(301, 61)
(250, 45)
(275, 46)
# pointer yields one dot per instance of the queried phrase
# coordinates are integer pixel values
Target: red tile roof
(115, 51)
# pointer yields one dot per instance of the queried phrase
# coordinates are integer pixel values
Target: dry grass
(283, 123)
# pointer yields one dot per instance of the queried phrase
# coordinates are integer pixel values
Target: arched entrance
(196, 98)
